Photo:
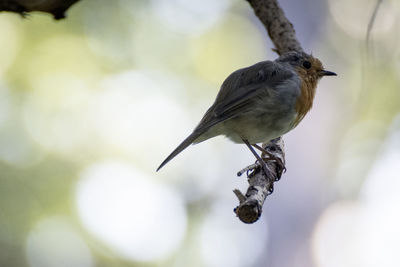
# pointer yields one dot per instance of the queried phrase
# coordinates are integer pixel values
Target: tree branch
(279, 28)
(283, 35)
(55, 7)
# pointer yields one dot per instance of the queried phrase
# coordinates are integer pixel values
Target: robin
(261, 102)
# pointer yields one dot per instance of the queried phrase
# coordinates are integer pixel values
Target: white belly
(257, 130)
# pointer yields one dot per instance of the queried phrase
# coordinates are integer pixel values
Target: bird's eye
(307, 64)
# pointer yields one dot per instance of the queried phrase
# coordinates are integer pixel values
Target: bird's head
(307, 66)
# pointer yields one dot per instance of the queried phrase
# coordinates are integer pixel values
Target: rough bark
(279, 28)
(283, 35)
(55, 7)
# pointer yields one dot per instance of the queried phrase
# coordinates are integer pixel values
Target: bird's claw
(247, 169)
(280, 165)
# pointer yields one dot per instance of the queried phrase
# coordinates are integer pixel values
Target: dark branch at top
(279, 28)
(55, 7)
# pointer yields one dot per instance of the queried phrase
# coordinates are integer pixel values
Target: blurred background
(90, 106)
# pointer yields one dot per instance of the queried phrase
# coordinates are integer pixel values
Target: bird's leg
(259, 159)
(271, 156)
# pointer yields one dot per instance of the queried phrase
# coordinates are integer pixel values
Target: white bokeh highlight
(226, 241)
(190, 17)
(54, 242)
(353, 17)
(137, 218)
(365, 232)
(131, 110)
(54, 112)
(16, 146)
(10, 40)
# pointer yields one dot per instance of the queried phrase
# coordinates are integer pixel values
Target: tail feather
(188, 141)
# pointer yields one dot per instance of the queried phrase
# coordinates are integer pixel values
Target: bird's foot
(262, 160)
(264, 167)
(280, 169)
(281, 166)
(247, 169)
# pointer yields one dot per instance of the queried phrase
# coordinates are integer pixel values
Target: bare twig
(368, 56)
(283, 36)
(371, 23)
(260, 185)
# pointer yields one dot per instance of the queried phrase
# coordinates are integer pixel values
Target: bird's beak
(327, 73)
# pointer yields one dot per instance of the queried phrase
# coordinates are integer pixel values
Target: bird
(261, 102)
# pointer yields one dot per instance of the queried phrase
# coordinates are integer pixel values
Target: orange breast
(305, 101)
